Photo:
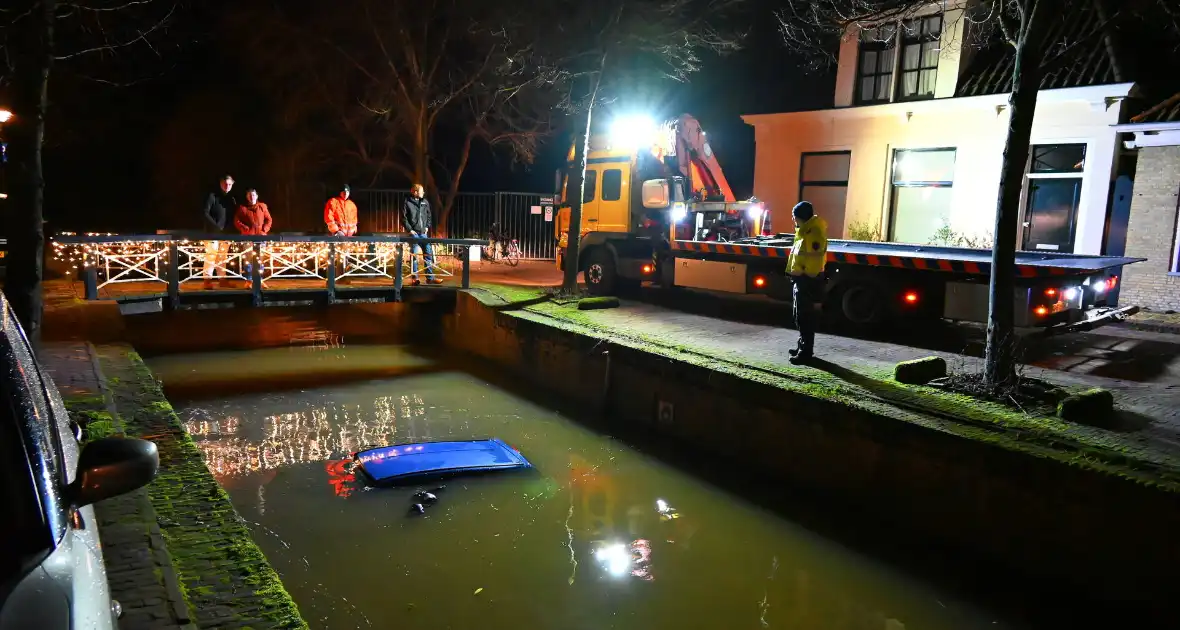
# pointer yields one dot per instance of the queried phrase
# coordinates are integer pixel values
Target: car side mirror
(113, 466)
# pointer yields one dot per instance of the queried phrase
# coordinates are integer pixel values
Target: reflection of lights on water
(616, 558)
(666, 511)
(619, 559)
(318, 434)
(641, 557)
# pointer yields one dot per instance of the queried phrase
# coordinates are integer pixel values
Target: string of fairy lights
(141, 259)
(312, 435)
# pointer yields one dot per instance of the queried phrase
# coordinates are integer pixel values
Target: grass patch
(500, 295)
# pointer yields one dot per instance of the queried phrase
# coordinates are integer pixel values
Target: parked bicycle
(501, 248)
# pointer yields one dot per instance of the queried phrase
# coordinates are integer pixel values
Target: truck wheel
(600, 272)
(861, 305)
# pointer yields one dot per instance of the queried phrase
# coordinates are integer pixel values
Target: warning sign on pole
(536, 210)
(549, 213)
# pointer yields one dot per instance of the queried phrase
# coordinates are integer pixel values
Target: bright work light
(632, 132)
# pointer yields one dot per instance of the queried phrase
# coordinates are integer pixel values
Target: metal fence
(526, 217)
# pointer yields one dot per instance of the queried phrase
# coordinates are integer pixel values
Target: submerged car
(51, 566)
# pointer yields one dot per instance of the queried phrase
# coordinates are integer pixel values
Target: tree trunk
(26, 237)
(574, 188)
(421, 148)
(453, 193)
(573, 191)
(1000, 356)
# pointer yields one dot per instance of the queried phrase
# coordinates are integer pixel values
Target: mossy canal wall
(1073, 528)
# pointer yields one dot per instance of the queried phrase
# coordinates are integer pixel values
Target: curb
(1156, 327)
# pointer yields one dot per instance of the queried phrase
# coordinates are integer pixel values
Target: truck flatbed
(925, 257)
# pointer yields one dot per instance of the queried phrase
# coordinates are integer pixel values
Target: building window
(916, 72)
(1053, 192)
(612, 185)
(1176, 244)
(920, 45)
(877, 57)
(921, 194)
(823, 181)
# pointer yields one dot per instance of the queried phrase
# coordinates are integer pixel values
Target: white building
(912, 150)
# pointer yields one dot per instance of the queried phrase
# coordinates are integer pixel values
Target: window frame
(603, 184)
(894, 185)
(805, 183)
(589, 185)
(1030, 175)
(1175, 267)
(877, 46)
(897, 43)
(920, 39)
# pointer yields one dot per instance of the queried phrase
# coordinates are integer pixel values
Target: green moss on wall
(213, 553)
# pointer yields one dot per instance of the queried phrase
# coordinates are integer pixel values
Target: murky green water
(581, 542)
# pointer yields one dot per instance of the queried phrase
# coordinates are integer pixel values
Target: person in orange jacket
(340, 214)
(254, 217)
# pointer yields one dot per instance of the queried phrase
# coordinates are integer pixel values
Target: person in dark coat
(219, 209)
(417, 220)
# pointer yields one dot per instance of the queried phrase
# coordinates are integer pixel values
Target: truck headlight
(679, 211)
(755, 211)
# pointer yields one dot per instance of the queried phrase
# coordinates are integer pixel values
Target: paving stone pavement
(138, 568)
(1141, 368)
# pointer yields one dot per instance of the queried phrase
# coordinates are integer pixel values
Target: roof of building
(1089, 59)
(1163, 112)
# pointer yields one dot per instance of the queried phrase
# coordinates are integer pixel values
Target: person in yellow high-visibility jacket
(809, 254)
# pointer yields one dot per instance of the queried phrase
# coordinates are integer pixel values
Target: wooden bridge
(255, 270)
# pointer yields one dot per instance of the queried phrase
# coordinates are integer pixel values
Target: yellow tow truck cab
(646, 186)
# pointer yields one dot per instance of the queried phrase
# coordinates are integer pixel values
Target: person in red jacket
(340, 214)
(253, 219)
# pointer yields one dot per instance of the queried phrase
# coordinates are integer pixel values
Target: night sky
(120, 157)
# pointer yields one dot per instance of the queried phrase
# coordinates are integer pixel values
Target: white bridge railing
(173, 260)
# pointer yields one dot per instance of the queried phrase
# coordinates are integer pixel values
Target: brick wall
(1151, 231)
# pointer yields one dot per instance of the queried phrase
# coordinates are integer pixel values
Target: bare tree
(813, 29)
(394, 80)
(600, 52)
(36, 35)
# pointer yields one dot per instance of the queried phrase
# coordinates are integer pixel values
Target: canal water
(599, 535)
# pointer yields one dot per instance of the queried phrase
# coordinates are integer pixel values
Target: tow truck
(657, 209)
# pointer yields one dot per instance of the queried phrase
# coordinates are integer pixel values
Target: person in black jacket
(220, 207)
(417, 221)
